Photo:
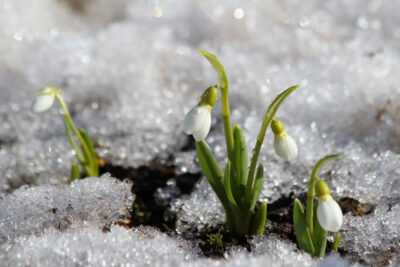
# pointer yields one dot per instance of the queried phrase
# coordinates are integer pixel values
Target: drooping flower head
(198, 120)
(285, 146)
(45, 99)
(329, 213)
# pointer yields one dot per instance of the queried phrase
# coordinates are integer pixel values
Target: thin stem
(226, 117)
(268, 117)
(67, 115)
(311, 189)
(336, 242)
(322, 249)
(223, 85)
(310, 203)
(90, 170)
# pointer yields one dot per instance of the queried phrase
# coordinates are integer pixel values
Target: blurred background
(130, 70)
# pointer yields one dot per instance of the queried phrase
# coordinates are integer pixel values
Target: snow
(130, 76)
(94, 201)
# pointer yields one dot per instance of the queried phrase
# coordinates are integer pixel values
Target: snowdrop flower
(329, 213)
(285, 146)
(198, 120)
(45, 99)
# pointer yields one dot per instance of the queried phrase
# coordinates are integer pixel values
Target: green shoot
(87, 161)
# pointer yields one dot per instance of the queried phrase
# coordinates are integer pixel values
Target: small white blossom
(329, 214)
(285, 147)
(45, 99)
(198, 122)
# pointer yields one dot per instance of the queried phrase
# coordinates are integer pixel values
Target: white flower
(285, 146)
(198, 122)
(45, 99)
(329, 214)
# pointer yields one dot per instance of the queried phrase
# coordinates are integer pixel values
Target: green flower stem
(86, 159)
(226, 117)
(72, 141)
(322, 249)
(268, 117)
(310, 203)
(336, 242)
(223, 85)
(311, 190)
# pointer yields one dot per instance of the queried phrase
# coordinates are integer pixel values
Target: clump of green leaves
(87, 160)
(322, 214)
(238, 185)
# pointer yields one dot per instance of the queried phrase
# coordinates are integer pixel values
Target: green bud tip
(322, 190)
(209, 97)
(50, 90)
(277, 127)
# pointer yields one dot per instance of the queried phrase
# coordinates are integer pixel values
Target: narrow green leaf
(90, 153)
(336, 242)
(241, 156)
(70, 137)
(300, 228)
(311, 189)
(268, 116)
(75, 172)
(259, 219)
(211, 170)
(227, 183)
(89, 143)
(258, 186)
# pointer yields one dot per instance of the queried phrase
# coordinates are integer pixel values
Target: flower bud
(198, 122)
(45, 99)
(285, 146)
(209, 97)
(329, 213)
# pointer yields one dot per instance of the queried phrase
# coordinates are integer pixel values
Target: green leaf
(336, 242)
(227, 184)
(89, 153)
(259, 219)
(75, 172)
(268, 116)
(71, 140)
(89, 143)
(300, 228)
(219, 68)
(211, 170)
(258, 185)
(241, 156)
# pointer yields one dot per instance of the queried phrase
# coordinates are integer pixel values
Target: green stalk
(90, 167)
(322, 249)
(223, 85)
(310, 203)
(336, 242)
(311, 190)
(268, 116)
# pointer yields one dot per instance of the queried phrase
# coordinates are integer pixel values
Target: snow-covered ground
(129, 78)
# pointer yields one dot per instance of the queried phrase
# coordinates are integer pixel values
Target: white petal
(329, 215)
(285, 147)
(43, 103)
(198, 122)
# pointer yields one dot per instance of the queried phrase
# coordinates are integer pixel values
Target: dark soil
(161, 174)
(147, 180)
